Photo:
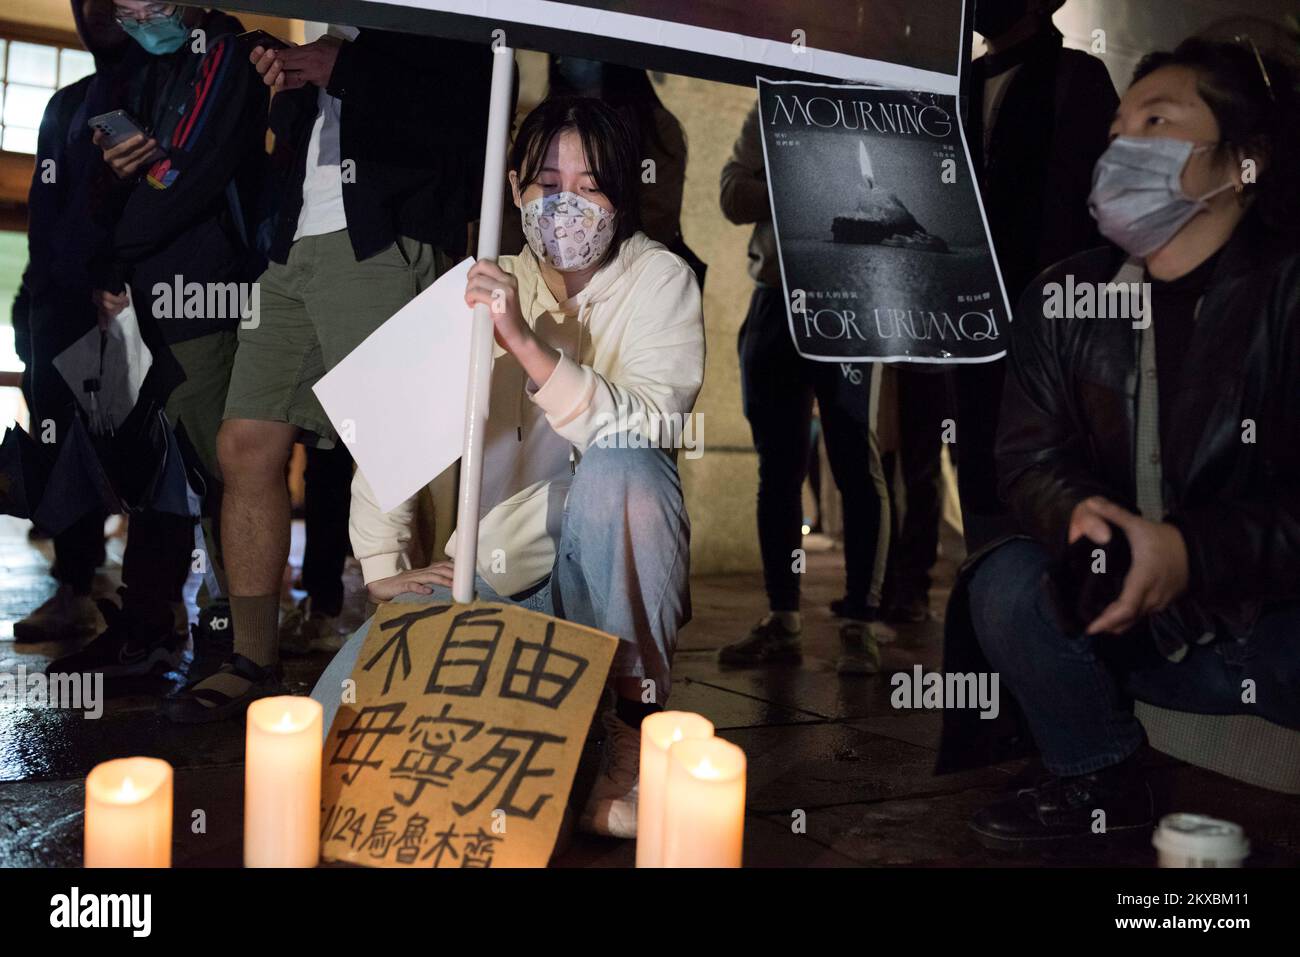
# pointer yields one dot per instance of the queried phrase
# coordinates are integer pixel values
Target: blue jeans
(622, 566)
(1077, 691)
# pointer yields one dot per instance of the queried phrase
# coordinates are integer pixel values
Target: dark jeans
(977, 397)
(923, 404)
(159, 550)
(328, 480)
(1077, 691)
(78, 552)
(79, 548)
(777, 388)
(160, 546)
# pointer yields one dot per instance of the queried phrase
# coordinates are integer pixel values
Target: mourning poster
(884, 249)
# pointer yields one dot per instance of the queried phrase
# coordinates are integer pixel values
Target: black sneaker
(214, 640)
(139, 640)
(909, 611)
(195, 705)
(1063, 811)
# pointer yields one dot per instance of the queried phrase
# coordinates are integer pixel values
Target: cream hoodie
(632, 349)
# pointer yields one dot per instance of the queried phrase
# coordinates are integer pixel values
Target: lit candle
(282, 783)
(129, 814)
(658, 733)
(704, 811)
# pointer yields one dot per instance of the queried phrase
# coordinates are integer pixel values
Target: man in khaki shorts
(380, 172)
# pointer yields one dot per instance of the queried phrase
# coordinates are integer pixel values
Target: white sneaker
(611, 808)
(66, 615)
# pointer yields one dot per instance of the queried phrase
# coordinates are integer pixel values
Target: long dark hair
(608, 141)
(1254, 98)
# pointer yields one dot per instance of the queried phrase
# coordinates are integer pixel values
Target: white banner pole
(480, 369)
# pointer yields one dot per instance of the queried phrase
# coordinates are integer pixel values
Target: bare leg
(255, 510)
(255, 530)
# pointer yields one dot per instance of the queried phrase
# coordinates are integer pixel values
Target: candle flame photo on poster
(888, 257)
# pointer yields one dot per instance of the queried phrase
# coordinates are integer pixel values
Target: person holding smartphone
(170, 199)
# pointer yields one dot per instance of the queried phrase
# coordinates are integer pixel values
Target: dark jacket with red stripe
(413, 119)
(178, 217)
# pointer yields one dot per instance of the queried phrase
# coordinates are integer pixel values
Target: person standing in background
(778, 387)
(1037, 123)
(170, 202)
(915, 477)
(53, 307)
(379, 141)
(313, 624)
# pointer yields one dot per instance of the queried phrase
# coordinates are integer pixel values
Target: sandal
(196, 705)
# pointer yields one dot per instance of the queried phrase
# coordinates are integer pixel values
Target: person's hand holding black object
(1159, 570)
(126, 158)
(292, 67)
(108, 305)
(1087, 578)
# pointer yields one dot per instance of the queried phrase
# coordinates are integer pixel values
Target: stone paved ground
(830, 746)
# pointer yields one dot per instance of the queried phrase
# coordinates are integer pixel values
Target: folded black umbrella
(170, 489)
(78, 484)
(25, 467)
(143, 460)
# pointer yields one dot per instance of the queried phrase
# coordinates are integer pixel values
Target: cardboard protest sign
(889, 257)
(462, 742)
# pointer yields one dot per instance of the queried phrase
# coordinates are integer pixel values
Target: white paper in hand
(398, 399)
(118, 359)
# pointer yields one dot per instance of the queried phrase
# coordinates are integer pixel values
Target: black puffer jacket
(1067, 432)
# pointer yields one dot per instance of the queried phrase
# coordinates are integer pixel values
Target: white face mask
(567, 231)
(1137, 193)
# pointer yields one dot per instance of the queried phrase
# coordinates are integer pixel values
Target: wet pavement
(831, 747)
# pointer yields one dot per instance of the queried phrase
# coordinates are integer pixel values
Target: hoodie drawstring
(523, 388)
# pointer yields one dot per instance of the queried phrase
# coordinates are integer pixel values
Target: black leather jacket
(1230, 454)
(1067, 432)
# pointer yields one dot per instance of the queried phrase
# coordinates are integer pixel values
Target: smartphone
(260, 38)
(117, 127)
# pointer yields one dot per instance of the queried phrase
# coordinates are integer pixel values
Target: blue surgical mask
(1137, 193)
(159, 36)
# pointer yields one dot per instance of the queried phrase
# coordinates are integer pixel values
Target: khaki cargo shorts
(315, 309)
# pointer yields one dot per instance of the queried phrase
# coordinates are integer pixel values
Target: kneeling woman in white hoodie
(599, 332)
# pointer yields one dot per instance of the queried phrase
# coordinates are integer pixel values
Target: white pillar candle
(129, 814)
(704, 811)
(658, 732)
(282, 758)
